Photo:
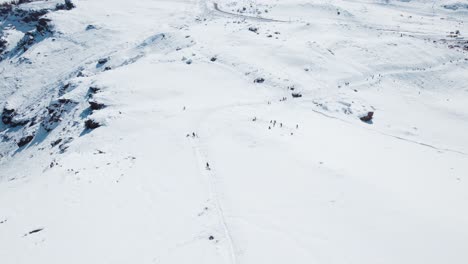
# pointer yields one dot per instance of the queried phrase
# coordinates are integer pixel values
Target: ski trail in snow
(394, 136)
(214, 197)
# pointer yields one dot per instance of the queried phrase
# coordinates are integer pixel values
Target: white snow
(317, 186)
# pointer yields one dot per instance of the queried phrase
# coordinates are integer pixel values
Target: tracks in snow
(213, 7)
(210, 175)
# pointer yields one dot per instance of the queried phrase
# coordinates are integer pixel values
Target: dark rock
(90, 27)
(68, 5)
(253, 29)
(91, 124)
(259, 80)
(94, 90)
(24, 141)
(35, 231)
(65, 144)
(17, 123)
(55, 111)
(27, 41)
(7, 115)
(211, 237)
(296, 95)
(56, 142)
(3, 45)
(8, 118)
(103, 61)
(107, 68)
(63, 148)
(43, 21)
(5, 8)
(368, 117)
(96, 105)
(65, 89)
(213, 59)
(33, 15)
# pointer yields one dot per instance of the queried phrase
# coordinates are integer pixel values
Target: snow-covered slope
(230, 132)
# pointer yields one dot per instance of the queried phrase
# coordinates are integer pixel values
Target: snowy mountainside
(203, 131)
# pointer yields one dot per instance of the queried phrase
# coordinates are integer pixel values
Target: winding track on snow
(214, 196)
(218, 10)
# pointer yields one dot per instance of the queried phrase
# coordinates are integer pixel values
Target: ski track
(393, 136)
(216, 8)
(209, 174)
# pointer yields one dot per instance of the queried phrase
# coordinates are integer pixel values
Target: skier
(207, 166)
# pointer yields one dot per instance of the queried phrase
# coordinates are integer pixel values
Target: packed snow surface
(203, 131)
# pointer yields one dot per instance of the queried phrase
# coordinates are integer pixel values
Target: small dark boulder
(7, 115)
(34, 231)
(24, 141)
(91, 124)
(44, 21)
(103, 61)
(56, 142)
(67, 5)
(3, 45)
(43, 24)
(213, 59)
(296, 95)
(253, 29)
(259, 80)
(93, 90)
(368, 117)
